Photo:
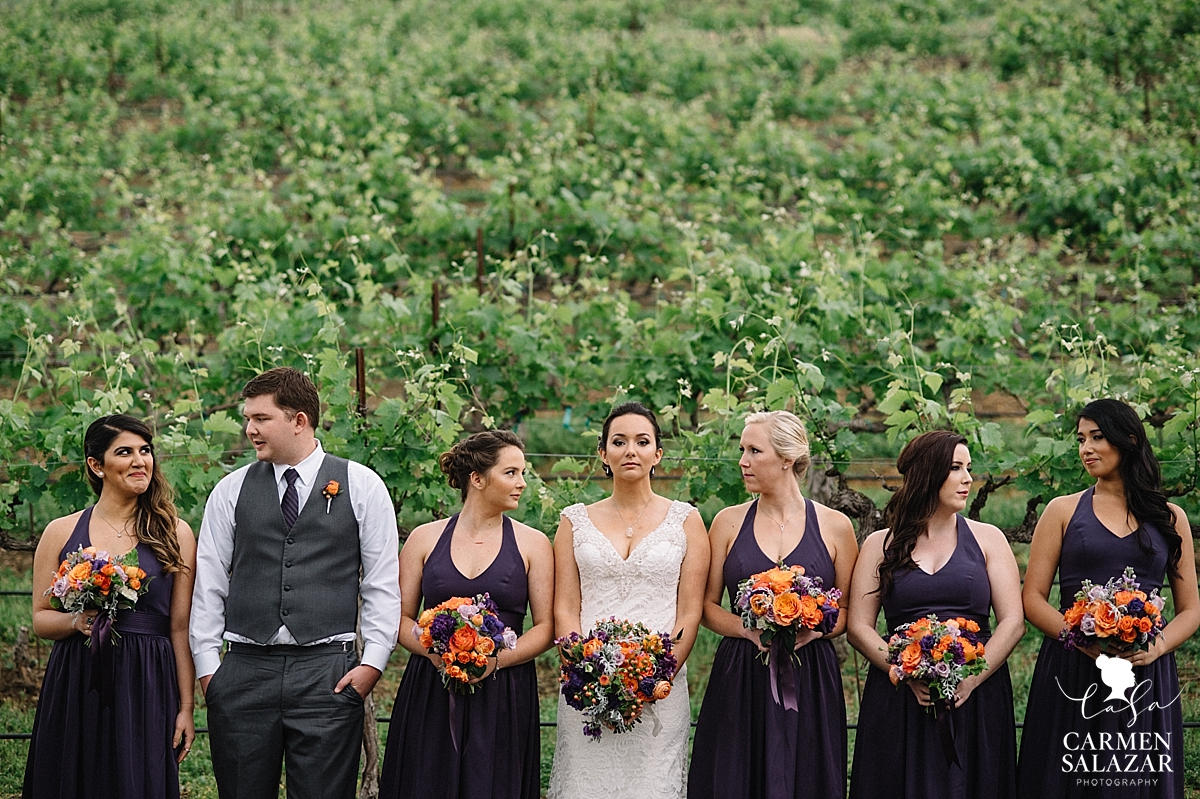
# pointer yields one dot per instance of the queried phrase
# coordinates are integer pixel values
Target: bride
(637, 556)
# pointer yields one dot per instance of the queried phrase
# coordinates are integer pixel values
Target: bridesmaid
(1123, 520)
(125, 734)
(485, 743)
(747, 743)
(933, 560)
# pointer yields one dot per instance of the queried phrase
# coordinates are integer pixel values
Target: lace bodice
(648, 761)
(642, 588)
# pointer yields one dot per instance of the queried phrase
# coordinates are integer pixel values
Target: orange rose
(760, 604)
(81, 572)
(653, 644)
(426, 618)
(787, 608)
(1106, 618)
(426, 639)
(971, 626)
(102, 581)
(910, 657)
(1145, 625)
(135, 584)
(453, 603)
(979, 650)
(968, 651)
(479, 660)
(463, 640)
(1122, 598)
(463, 657)
(108, 569)
(662, 689)
(1075, 613)
(604, 679)
(447, 659)
(1126, 625)
(485, 646)
(477, 620)
(810, 612)
(778, 580)
(331, 489)
(591, 647)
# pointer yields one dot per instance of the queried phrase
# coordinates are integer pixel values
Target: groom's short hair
(291, 389)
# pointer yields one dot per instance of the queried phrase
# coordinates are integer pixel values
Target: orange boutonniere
(330, 491)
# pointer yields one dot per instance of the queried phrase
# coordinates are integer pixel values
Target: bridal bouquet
(942, 653)
(464, 632)
(92, 579)
(783, 601)
(1115, 615)
(613, 672)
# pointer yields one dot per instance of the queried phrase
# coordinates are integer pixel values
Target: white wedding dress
(649, 760)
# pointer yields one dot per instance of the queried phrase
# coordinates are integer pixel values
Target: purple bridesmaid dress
(82, 747)
(749, 745)
(496, 728)
(897, 749)
(1117, 753)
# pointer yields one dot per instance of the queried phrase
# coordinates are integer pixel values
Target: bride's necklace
(124, 527)
(629, 527)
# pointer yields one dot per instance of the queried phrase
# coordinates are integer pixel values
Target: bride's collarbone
(625, 532)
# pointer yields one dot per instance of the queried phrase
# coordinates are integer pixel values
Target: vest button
(287, 565)
(284, 612)
(289, 541)
(287, 588)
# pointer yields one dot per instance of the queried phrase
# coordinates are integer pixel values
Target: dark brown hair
(1140, 474)
(630, 409)
(925, 463)
(291, 389)
(155, 519)
(477, 453)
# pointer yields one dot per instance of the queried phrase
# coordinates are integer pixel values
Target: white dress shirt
(378, 542)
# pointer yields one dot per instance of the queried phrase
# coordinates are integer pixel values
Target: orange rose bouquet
(942, 653)
(92, 579)
(783, 601)
(464, 632)
(613, 672)
(1116, 615)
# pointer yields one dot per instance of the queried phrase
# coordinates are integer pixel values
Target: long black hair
(1140, 474)
(925, 463)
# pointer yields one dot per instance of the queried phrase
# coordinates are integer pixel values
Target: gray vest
(306, 579)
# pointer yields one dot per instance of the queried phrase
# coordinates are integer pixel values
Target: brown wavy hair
(925, 463)
(477, 453)
(156, 519)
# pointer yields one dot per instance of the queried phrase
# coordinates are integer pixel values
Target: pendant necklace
(629, 527)
(776, 521)
(114, 527)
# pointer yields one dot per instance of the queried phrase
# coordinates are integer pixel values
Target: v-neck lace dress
(643, 588)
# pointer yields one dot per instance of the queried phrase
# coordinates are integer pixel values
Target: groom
(287, 548)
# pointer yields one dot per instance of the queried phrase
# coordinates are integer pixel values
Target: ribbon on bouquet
(943, 712)
(782, 664)
(457, 720)
(102, 657)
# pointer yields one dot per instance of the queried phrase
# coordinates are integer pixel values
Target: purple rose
(1136, 605)
(1087, 624)
(941, 669)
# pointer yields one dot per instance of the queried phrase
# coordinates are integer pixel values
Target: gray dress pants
(273, 705)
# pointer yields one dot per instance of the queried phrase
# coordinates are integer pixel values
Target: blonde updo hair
(788, 438)
(477, 453)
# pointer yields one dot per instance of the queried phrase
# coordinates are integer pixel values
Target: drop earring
(607, 470)
(651, 471)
